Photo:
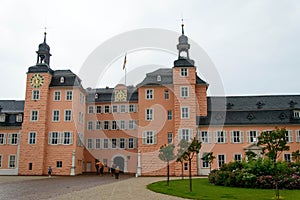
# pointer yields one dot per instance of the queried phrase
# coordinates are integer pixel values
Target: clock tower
(33, 140)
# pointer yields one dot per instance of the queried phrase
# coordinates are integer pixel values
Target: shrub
(257, 174)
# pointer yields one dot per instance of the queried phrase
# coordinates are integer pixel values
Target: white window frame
(114, 143)
(132, 108)
(55, 115)
(220, 137)
(149, 94)
(167, 94)
(130, 143)
(35, 95)
(69, 95)
(106, 109)
(105, 143)
(122, 144)
(122, 125)
(89, 143)
(51, 138)
(67, 138)
(149, 114)
(3, 139)
(250, 136)
(13, 138)
(56, 95)
(14, 161)
(2, 117)
(289, 136)
(106, 125)
(91, 109)
(131, 124)
(237, 137)
(185, 112)
(185, 134)
(19, 118)
(34, 115)
(97, 143)
(98, 109)
(123, 108)
(32, 137)
(205, 137)
(221, 162)
(90, 125)
(115, 108)
(98, 125)
(297, 135)
(149, 137)
(59, 164)
(184, 91)
(68, 117)
(287, 157)
(184, 72)
(238, 155)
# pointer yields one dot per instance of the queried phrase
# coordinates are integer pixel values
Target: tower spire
(43, 53)
(182, 26)
(45, 34)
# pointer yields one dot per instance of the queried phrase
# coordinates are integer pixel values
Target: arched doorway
(119, 161)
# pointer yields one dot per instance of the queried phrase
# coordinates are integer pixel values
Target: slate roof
(70, 79)
(166, 75)
(40, 68)
(107, 94)
(247, 110)
(11, 106)
(184, 63)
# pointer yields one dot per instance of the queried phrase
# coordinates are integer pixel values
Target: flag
(124, 61)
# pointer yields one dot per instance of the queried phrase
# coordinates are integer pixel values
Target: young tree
(274, 142)
(166, 154)
(209, 157)
(193, 148)
(296, 156)
(181, 156)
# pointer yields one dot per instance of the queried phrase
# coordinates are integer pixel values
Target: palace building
(68, 127)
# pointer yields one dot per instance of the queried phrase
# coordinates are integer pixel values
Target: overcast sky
(254, 44)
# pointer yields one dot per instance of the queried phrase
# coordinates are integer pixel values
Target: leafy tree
(209, 157)
(250, 155)
(181, 156)
(274, 142)
(296, 156)
(166, 154)
(193, 148)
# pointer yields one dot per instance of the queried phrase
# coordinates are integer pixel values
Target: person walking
(49, 171)
(112, 169)
(101, 165)
(117, 172)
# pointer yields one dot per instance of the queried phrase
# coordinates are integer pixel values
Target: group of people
(115, 170)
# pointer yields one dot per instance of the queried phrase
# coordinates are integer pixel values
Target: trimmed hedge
(257, 174)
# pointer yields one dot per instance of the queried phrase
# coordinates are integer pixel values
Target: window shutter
(231, 136)
(242, 136)
(216, 137)
(49, 138)
(179, 135)
(248, 136)
(9, 138)
(71, 138)
(225, 137)
(191, 135)
(135, 143)
(4, 138)
(60, 138)
(209, 137)
(154, 137)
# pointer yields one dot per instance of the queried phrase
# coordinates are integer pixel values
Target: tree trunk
(190, 174)
(276, 180)
(182, 170)
(168, 173)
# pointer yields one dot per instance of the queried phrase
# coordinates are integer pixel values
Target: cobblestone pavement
(44, 187)
(78, 187)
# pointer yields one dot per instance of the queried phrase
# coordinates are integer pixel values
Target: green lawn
(203, 190)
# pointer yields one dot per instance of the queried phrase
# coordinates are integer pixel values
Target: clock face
(37, 80)
(121, 95)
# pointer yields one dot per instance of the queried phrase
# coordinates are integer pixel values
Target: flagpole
(124, 67)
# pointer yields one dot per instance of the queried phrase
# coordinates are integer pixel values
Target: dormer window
(296, 114)
(158, 78)
(96, 96)
(62, 79)
(2, 118)
(19, 118)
